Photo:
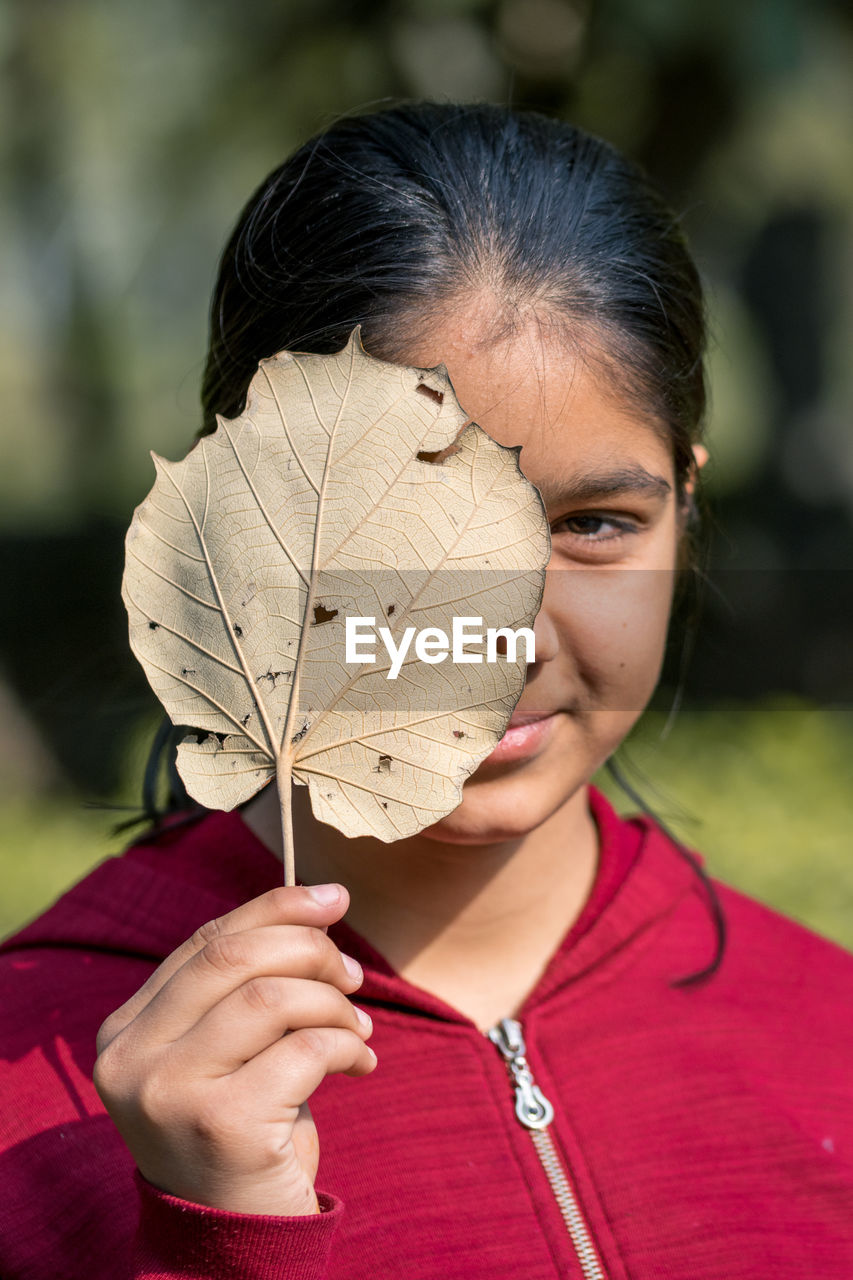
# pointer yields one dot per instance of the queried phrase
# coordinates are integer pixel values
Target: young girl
(536, 1040)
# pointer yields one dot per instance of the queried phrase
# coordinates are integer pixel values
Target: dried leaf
(347, 488)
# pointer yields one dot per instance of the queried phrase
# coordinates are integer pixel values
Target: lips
(525, 736)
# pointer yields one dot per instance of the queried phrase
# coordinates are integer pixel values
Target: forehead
(558, 400)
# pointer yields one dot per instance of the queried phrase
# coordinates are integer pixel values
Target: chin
(446, 832)
(498, 810)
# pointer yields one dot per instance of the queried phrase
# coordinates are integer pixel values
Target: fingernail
(352, 967)
(364, 1018)
(325, 894)
(370, 1051)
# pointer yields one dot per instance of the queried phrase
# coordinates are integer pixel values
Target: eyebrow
(604, 484)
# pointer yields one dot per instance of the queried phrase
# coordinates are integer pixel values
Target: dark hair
(386, 218)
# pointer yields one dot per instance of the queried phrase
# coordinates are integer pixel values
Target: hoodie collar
(641, 877)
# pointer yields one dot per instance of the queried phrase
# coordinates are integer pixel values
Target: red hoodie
(698, 1133)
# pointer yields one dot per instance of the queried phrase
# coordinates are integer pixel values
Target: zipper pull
(531, 1106)
(535, 1112)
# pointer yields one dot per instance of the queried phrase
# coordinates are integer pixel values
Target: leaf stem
(283, 782)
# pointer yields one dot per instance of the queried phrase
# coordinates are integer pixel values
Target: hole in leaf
(458, 733)
(152, 626)
(390, 610)
(383, 765)
(430, 393)
(322, 614)
(238, 631)
(436, 457)
(384, 804)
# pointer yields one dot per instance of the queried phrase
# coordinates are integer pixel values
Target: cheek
(614, 624)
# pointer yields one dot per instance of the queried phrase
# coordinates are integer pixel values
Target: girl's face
(606, 476)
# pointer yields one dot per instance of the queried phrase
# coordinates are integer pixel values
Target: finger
(288, 1072)
(317, 905)
(257, 1015)
(232, 959)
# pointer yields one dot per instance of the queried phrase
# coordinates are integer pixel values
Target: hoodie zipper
(534, 1111)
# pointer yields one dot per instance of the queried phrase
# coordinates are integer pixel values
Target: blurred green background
(132, 135)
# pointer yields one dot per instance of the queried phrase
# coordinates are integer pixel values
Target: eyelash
(623, 527)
